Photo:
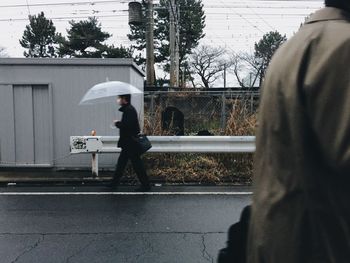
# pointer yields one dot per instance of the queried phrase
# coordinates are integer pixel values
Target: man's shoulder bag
(143, 143)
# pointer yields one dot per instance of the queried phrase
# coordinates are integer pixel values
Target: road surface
(91, 224)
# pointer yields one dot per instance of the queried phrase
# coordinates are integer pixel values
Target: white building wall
(67, 82)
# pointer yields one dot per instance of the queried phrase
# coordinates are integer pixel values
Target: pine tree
(85, 39)
(39, 37)
(265, 49)
(117, 52)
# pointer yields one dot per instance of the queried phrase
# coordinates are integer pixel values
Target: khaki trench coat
(301, 202)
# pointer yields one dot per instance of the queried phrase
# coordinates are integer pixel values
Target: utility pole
(250, 80)
(225, 75)
(150, 45)
(174, 43)
(183, 78)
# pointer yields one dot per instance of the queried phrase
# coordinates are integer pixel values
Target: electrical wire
(247, 20)
(28, 7)
(215, 13)
(64, 3)
(55, 18)
(235, 4)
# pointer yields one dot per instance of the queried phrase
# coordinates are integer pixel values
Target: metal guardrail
(164, 144)
(169, 144)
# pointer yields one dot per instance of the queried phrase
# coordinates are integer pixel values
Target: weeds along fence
(215, 111)
(221, 113)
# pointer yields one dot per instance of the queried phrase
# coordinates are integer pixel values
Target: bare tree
(208, 62)
(246, 68)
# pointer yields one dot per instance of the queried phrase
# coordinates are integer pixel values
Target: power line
(247, 20)
(55, 18)
(65, 3)
(219, 15)
(217, 19)
(240, 6)
(250, 14)
(28, 8)
(268, 24)
(92, 3)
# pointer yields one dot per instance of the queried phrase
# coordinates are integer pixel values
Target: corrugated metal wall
(42, 125)
(39, 110)
(32, 124)
(7, 125)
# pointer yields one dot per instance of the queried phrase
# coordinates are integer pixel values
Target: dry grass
(153, 123)
(199, 168)
(203, 168)
(240, 121)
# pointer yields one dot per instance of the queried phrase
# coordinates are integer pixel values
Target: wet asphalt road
(103, 227)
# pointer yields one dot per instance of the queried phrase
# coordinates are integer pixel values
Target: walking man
(301, 209)
(129, 128)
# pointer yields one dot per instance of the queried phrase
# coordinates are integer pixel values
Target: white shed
(39, 108)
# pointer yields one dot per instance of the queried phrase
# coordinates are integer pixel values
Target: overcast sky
(234, 24)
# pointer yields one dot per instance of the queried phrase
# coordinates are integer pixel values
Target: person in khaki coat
(301, 202)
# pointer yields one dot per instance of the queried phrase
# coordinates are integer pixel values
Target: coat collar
(123, 108)
(329, 13)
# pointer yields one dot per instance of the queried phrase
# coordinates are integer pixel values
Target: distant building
(39, 108)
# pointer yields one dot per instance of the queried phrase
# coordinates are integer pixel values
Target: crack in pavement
(145, 249)
(79, 251)
(29, 249)
(205, 253)
(149, 245)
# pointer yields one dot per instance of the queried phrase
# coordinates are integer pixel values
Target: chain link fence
(210, 111)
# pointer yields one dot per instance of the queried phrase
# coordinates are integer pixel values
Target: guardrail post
(94, 161)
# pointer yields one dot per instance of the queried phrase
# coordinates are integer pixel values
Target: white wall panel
(7, 129)
(24, 126)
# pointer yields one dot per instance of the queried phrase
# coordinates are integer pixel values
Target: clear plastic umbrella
(107, 92)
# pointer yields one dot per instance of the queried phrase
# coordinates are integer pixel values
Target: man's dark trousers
(137, 164)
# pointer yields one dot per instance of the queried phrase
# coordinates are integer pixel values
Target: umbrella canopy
(107, 92)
